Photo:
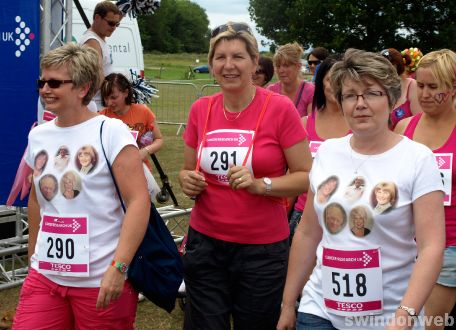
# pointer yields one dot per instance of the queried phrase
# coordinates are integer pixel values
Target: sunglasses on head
(314, 62)
(385, 53)
(52, 83)
(112, 23)
(237, 27)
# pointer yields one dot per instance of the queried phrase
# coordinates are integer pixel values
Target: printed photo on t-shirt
(335, 218)
(384, 197)
(41, 159)
(355, 189)
(70, 185)
(48, 186)
(326, 189)
(86, 159)
(61, 158)
(360, 221)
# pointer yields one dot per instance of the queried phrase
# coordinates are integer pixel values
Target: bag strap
(110, 168)
(300, 93)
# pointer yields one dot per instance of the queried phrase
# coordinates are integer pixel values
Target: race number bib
(445, 164)
(352, 282)
(313, 146)
(224, 148)
(64, 246)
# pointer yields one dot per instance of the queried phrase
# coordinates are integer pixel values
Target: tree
(365, 24)
(178, 26)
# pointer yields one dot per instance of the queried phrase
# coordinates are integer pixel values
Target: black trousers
(223, 279)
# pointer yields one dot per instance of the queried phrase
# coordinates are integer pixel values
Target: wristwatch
(268, 184)
(411, 311)
(120, 266)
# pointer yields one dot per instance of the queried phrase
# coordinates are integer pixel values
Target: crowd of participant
(355, 170)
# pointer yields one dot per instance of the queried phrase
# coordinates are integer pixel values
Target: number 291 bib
(223, 148)
(352, 281)
(64, 245)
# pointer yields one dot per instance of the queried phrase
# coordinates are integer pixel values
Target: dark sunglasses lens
(313, 62)
(54, 83)
(40, 83)
(237, 27)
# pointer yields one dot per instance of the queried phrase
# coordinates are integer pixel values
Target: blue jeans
(306, 321)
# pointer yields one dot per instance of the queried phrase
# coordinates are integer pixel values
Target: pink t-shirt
(448, 174)
(306, 95)
(236, 215)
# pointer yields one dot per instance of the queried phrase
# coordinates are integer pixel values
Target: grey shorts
(448, 274)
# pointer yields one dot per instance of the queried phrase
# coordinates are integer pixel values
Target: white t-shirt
(106, 61)
(92, 194)
(411, 170)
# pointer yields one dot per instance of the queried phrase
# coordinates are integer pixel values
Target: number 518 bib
(64, 245)
(352, 282)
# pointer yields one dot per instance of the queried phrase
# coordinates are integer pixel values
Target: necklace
(361, 164)
(240, 112)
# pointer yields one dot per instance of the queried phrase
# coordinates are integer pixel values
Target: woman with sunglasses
(377, 278)
(436, 128)
(326, 121)
(287, 63)
(408, 104)
(264, 72)
(238, 144)
(80, 240)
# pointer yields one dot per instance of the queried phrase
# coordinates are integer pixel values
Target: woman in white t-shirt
(80, 240)
(374, 278)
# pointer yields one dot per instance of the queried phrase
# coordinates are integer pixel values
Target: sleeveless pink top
(449, 147)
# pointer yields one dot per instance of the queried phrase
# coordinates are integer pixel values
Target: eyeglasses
(237, 27)
(314, 62)
(112, 23)
(368, 96)
(52, 83)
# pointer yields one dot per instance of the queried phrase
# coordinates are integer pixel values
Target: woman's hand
(287, 320)
(192, 182)
(240, 177)
(111, 287)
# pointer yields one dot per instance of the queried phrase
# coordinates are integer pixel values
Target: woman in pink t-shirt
(238, 145)
(436, 128)
(287, 63)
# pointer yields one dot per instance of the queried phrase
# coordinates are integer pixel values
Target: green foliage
(178, 26)
(365, 24)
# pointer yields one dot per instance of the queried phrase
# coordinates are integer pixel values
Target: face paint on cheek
(441, 97)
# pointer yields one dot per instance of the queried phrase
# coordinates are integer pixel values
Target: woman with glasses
(287, 64)
(436, 128)
(80, 240)
(407, 105)
(238, 144)
(375, 278)
(264, 72)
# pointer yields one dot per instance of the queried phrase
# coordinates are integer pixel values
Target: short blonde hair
(389, 187)
(246, 36)
(82, 64)
(289, 54)
(442, 63)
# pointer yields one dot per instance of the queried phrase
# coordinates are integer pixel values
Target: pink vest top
(449, 147)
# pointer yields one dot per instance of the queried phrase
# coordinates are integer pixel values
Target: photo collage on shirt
(359, 217)
(62, 175)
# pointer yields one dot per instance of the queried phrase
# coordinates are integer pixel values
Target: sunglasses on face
(237, 27)
(112, 23)
(52, 83)
(314, 62)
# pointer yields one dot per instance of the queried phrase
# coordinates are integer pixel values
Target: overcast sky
(222, 11)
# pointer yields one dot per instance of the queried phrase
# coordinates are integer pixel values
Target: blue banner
(19, 69)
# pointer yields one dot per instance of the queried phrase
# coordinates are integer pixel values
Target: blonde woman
(287, 64)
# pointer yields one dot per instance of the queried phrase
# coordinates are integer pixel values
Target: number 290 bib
(64, 245)
(352, 281)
